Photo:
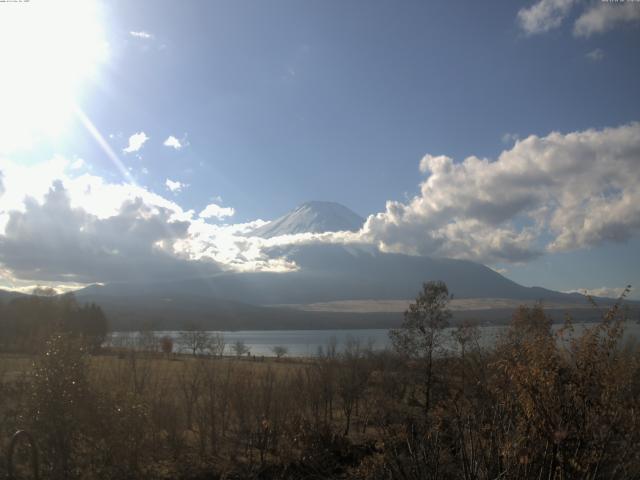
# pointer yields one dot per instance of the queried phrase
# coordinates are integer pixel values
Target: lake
(305, 343)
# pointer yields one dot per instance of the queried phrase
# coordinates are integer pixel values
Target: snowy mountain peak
(312, 217)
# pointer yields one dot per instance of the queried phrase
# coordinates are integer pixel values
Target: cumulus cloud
(67, 229)
(175, 186)
(216, 211)
(232, 246)
(595, 55)
(54, 241)
(544, 15)
(544, 194)
(46, 288)
(599, 17)
(63, 229)
(142, 34)
(553, 193)
(173, 142)
(509, 138)
(136, 141)
(605, 16)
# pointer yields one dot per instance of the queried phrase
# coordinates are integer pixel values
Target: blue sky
(275, 103)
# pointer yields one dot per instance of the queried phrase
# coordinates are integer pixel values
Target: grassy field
(528, 407)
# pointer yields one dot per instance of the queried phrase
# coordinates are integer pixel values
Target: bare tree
(466, 335)
(280, 351)
(217, 344)
(147, 341)
(197, 341)
(331, 349)
(120, 340)
(420, 334)
(352, 379)
(240, 348)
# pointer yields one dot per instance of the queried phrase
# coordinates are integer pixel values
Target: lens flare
(47, 49)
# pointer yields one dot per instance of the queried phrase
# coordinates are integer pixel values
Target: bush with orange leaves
(542, 403)
(569, 402)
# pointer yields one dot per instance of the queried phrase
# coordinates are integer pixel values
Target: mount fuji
(312, 217)
(335, 286)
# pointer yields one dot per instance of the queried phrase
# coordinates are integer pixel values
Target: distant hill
(334, 272)
(7, 295)
(328, 273)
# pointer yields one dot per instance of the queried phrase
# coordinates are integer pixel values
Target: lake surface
(305, 343)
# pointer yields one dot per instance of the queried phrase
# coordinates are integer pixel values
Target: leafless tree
(280, 351)
(147, 341)
(217, 344)
(419, 337)
(196, 341)
(352, 379)
(240, 348)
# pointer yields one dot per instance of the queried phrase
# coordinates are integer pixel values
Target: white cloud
(20, 179)
(509, 138)
(216, 211)
(544, 15)
(607, 292)
(604, 16)
(230, 245)
(60, 228)
(430, 161)
(173, 142)
(501, 271)
(30, 288)
(175, 186)
(595, 55)
(54, 241)
(142, 34)
(544, 194)
(136, 141)
(579, 189)
(598, 17)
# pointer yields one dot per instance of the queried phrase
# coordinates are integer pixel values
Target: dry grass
(532, 407)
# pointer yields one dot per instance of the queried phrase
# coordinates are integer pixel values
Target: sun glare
(47, 50)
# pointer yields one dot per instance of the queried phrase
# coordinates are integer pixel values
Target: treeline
(26, 323)
(538, 404)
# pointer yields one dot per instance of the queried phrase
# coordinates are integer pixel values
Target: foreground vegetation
(530, 407)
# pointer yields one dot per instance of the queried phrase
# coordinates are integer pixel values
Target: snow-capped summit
(312, 217)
